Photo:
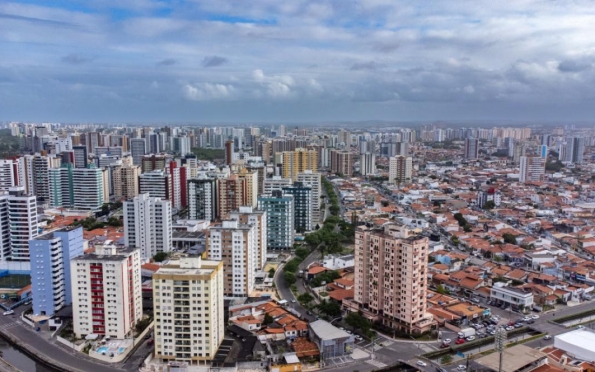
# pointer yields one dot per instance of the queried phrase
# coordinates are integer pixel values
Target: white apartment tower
(106, 292)
(314, 180)
(148, 225)
(188, 310)
(400, 169)
(236, 245)
(18, 223)
(532, 169)
(251, 216)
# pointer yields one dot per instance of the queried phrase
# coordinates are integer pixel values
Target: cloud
(370, 66)
(167, 62)
(75, 59)
(213, 61)
(574, 66)
(207, 91)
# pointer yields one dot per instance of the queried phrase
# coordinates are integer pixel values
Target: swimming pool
(103, 349)
(121, 350)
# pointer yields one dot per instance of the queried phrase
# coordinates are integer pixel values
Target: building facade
(341, 162)
(279, 210)
(258, 219)
(126, 181)
(314, 180)
(298, 161)
(232, 195)
(156, 183)
(18, 223)
(532, 169)
(202, 199)
(302, 206)
(400, 170)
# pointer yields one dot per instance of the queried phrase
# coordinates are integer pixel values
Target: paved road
(286, 294)
(60, 354)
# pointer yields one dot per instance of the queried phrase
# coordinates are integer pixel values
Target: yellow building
(298, 161)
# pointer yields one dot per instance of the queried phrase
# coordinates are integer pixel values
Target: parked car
(526, 319)
(547, 337)
(9, 312)
(444, 346)
(423, 364)
(518, 325)
(531, 321)
(470, 338)
(461, 367)
(460, 341)
(535, 316)
(446, 341)
(509, 328)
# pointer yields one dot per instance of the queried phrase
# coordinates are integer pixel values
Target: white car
(423, 364)
(547, 337)
(534, 316)
(446, 341)
(461, 367)
(9, 312)
(293, 301)
(470, 338)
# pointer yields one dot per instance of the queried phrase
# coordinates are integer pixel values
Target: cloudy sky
(294, 60)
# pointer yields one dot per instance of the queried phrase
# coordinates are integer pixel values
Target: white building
(512, 296)
(400, 169)
(106, 292)
(257, 218)
(18, 223)
(157, 183)
(188, 310)
(275, 183)
(148, 225)
(236, 245)
(336, 262)
(8, 174)
(78, 188)
(367, 164)
(313, 179)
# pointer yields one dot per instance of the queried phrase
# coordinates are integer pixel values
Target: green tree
(160, 256)
(268, 319)
(302, 253)
(290, 278)
(442, 290)
(356, 321)
(330, 308)
(509, 238)
(467, 228)
(305, 299)
(271, 272)
(489, 205)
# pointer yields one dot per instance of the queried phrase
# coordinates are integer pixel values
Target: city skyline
(227, 61)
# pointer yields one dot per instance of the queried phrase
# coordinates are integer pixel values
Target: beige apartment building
(390, 277)
(298, 161)
(232, 194)
(188, 310)
(251, 178)
(257, 218)
(126, 181)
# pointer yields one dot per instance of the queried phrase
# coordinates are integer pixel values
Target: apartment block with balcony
(106, 292)
(258, 219)
(188, 310)
(18, 223)
(390, 277)
(50, 268)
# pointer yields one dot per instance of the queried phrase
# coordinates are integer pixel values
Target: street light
(500, 340)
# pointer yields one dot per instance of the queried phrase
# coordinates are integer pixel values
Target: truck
(466, 332)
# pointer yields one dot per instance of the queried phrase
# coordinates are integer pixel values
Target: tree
(509, 238)
(489, 205)
(446, 359)
(442, 290)
(305, 299)
(302, 253)
(160, 256)
(271, 272)
(268, 319)
(290, 278)
(467, 228)
(330, 308)
(356, 321)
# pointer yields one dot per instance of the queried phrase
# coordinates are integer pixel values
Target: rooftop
(514, 358)
(327, 331)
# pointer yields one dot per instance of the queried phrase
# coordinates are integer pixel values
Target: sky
(296, 61)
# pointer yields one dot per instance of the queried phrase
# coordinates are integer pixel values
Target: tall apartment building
(179, 177)
(78, 188)
(390, 277)
(280, 221)
(41, 165)
(302, 206)
(367, 164)
(314, 180)
(251, 216)
(341, 162)
(471, 150)
(251, 178)
(573, 150)
(532, 169)
(126, 181)
(50, 268)
(81, 156)
(18, 223)
(9, 176)
(156, 183)
(298, 161)
(275, 183)
(148, 225)
(188, 310)
(236, 245)
(489, 194)
(106, 292)
(138, 149)
(400, 169)
(202, 199)
(232, 194)
(154, 162)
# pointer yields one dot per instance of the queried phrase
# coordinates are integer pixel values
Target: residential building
(41, 165)
(573, 150)
(251, 216)
(275, 183)
(400, 169)
(302, 206)
(298, 161)
(138, 149)
(50, 268)
(236, 245)
(471, 149)
(314, 180)
(251, 178)
(532, 169)
(514, 297)
(279, 210)
(179, 177)
(367, 164)
(148, 225)
(232, 194)
(390, 277)
(81, 156)
(156, 183)
(126, 181)
(190, 330)
(9, 176)
(77, 188)
(18, 223)
(341, 162)
(202, 199)
(106, 292)
(489, 194)
(154, 162)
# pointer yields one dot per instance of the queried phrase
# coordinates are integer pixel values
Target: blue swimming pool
(121, 350)
(103, 349)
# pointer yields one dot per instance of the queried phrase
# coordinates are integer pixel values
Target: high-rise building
(275, 183)
(471, 150)
(298, 161)
(258, 219)
(302, 206)
(77, 188)
(148, 225)
(543, 151)
(574, 150)
(342, 162)
(367, 164)
(81, 156)
(154, 162)
(532, 169)
(106, 292)
(400, 169)
(314, 180)
(156, 183)
(50, 268)
(236, 245)
(202, 199)
(390, 277)
(489, 194)
(251, 178)
(126, 181)
(280, 221)
(229, 154)
(41, 165)
(138, 149)
(18, 223)
(197, 330)
(9, 176)
(232, 194)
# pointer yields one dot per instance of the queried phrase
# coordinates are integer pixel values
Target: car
(294, 301)
(470, 338)
(534, 316)
(150, 342)
(9, 312)
(476, 300)
(547, 337)
(460, 341)
(423, 364)
(518, 325)
(492, 333)
(446, 341)
(444, 346)
(358, 337)
(509, 328)
(461, 367)
(525, 319)
(530, 321)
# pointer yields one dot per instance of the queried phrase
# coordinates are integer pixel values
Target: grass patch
(564, 319)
